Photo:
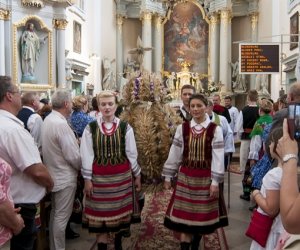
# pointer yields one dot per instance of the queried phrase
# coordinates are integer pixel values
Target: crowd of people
(61, 149)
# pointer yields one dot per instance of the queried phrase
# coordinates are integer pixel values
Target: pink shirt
(5, 174)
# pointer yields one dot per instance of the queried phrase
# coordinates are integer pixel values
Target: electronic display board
(259, 58)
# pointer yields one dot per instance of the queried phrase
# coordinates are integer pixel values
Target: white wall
(108, 29)
(94, 40)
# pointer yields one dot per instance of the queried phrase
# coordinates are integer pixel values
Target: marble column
(147, 40)
(225, 49)
(4, 15)
(8, 44)
(120, 59)
(60, 26)
(254, 34)
(158, 44)
(214, 47)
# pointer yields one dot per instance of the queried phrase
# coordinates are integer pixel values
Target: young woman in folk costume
(197, 206)
(109, 158)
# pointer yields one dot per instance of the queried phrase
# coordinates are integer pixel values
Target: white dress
(271, 181)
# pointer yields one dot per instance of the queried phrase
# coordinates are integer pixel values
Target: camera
(294, 121)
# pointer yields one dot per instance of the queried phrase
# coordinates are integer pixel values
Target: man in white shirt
(233, 111)
(226, 129)
(32, 121)
(62, 157)
(30, 178)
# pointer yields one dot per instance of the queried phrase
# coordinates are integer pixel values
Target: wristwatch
(287, 157)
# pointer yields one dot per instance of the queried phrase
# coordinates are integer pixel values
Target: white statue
(261, 84)
(108, 82)
(140, 51)
(30, 51)
(170, 81)
(238, 80)
(199, 85)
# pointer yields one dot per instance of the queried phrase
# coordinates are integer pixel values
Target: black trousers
(25, 239)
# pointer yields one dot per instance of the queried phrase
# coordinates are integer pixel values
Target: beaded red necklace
(110, 131)
(196, 131)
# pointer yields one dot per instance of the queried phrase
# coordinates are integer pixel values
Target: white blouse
(87, 150)
(176, 153)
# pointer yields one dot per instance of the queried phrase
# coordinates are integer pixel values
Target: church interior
(146, 51)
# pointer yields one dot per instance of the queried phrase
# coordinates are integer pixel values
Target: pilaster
(225, 50)
(254, 34)
(120, 21)
(4, 16)
(158, 44)
(60, 26)
(214, 46)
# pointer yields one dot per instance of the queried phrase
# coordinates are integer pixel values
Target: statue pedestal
(29, 79)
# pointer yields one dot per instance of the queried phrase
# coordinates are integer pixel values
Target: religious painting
(77, 37)
(186, 39)
(294, 31)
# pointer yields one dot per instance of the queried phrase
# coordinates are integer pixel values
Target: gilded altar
(175, 80)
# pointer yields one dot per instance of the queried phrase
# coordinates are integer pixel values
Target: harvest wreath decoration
(154, 123)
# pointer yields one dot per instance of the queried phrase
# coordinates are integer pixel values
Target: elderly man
(32, 121)
(61, 155)
(30, 177)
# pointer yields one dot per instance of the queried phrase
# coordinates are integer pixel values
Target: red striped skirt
(191, 210)
(111, 204)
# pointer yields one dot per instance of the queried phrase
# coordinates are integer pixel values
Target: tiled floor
(238, 212)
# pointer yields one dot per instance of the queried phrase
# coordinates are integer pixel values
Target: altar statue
(238, 80)
(140, 51)
(30, 51)
(171, 81)
(108, 82)
(261, 84)
(198, 83)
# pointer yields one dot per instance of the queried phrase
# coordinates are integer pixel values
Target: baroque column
(60, 26)
(158, 44)
(254, 34)
(225, 53)
(4, 15)
(147, 39)
(120, 60)
(214, 47)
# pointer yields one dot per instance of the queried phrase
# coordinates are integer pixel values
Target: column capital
(5, 14)
(214, 18)
(225, 15)
(60, 24)
(146, 15)
(254, 20)
(158, 22)
(120, 20)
